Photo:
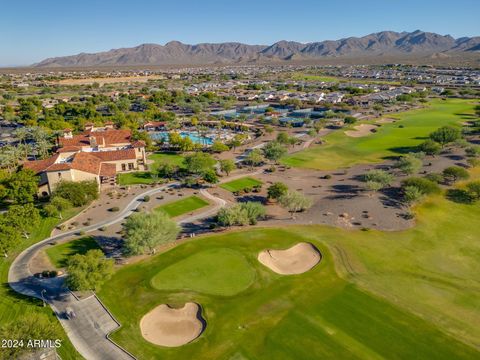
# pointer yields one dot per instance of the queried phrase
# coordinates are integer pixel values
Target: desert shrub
(424, 186)
(455, 173)
(241, 214)
(114, 209)
(435, 177)
(461, 196)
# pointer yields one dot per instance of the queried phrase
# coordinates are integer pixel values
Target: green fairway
(400, 295)
(200, 273)
(392, 139)
(183, 206)
(240, 184)
(59, 254)
(144, 177)
(13, 305)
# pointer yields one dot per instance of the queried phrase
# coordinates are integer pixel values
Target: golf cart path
(89, 330)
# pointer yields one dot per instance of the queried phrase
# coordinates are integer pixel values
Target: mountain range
(385, 44)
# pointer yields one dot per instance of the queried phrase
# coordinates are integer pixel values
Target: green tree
(277, 190)
(295, 201)
(199, 163)
(254, 158)
(167, 170)
(23, 217)
(89, 271)
(145, 231)
(227, 166)
(218, 147)
(9, 236)
(283, 138)
(455, 173)
(274, 150)
(241, 214)
(210, 176)
(445, 135)
(78, 193)
(22, 186)
(60, 204)
(430, 147)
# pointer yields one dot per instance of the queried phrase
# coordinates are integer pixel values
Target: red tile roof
(68, 149)
(108, 137)
(87, 162)
(108, 170)
(40, 165)
(127, 154)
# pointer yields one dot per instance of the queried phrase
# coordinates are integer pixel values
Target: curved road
(89, 331)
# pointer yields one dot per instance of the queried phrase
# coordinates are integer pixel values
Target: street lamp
(43, 297)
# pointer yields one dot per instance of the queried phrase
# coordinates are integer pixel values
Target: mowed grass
(59, 254)
(240, 184)
(183, 206)
(14, 306)
(144, 177)
(392, 139)
(400, 295)
(200, 273)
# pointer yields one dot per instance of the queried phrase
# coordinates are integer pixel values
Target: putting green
(217, 271)
(391, 139)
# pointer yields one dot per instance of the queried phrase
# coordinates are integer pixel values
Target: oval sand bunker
(171, 327)
(296, 260)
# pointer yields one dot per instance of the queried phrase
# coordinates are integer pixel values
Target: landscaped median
(183, 206)
(241, 184)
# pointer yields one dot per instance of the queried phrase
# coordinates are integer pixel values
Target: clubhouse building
(99, 153)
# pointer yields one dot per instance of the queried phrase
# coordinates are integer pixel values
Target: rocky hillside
(385, 43)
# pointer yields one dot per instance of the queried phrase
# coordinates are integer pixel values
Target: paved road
(89, 331)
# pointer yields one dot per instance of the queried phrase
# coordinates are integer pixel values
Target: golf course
(390, 139)
(360, 301)
(374, 295)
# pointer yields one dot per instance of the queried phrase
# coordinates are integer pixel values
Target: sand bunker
(296, 260)
(361, 130)
(171, 327)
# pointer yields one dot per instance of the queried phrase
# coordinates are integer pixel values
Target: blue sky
(31, 30)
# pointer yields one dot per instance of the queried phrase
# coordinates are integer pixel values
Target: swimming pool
(193, 135)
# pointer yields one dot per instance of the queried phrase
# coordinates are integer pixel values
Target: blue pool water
(194, 136)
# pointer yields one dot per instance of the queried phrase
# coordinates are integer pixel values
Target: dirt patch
(361, 130)
(296, 260)
(170, 327)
